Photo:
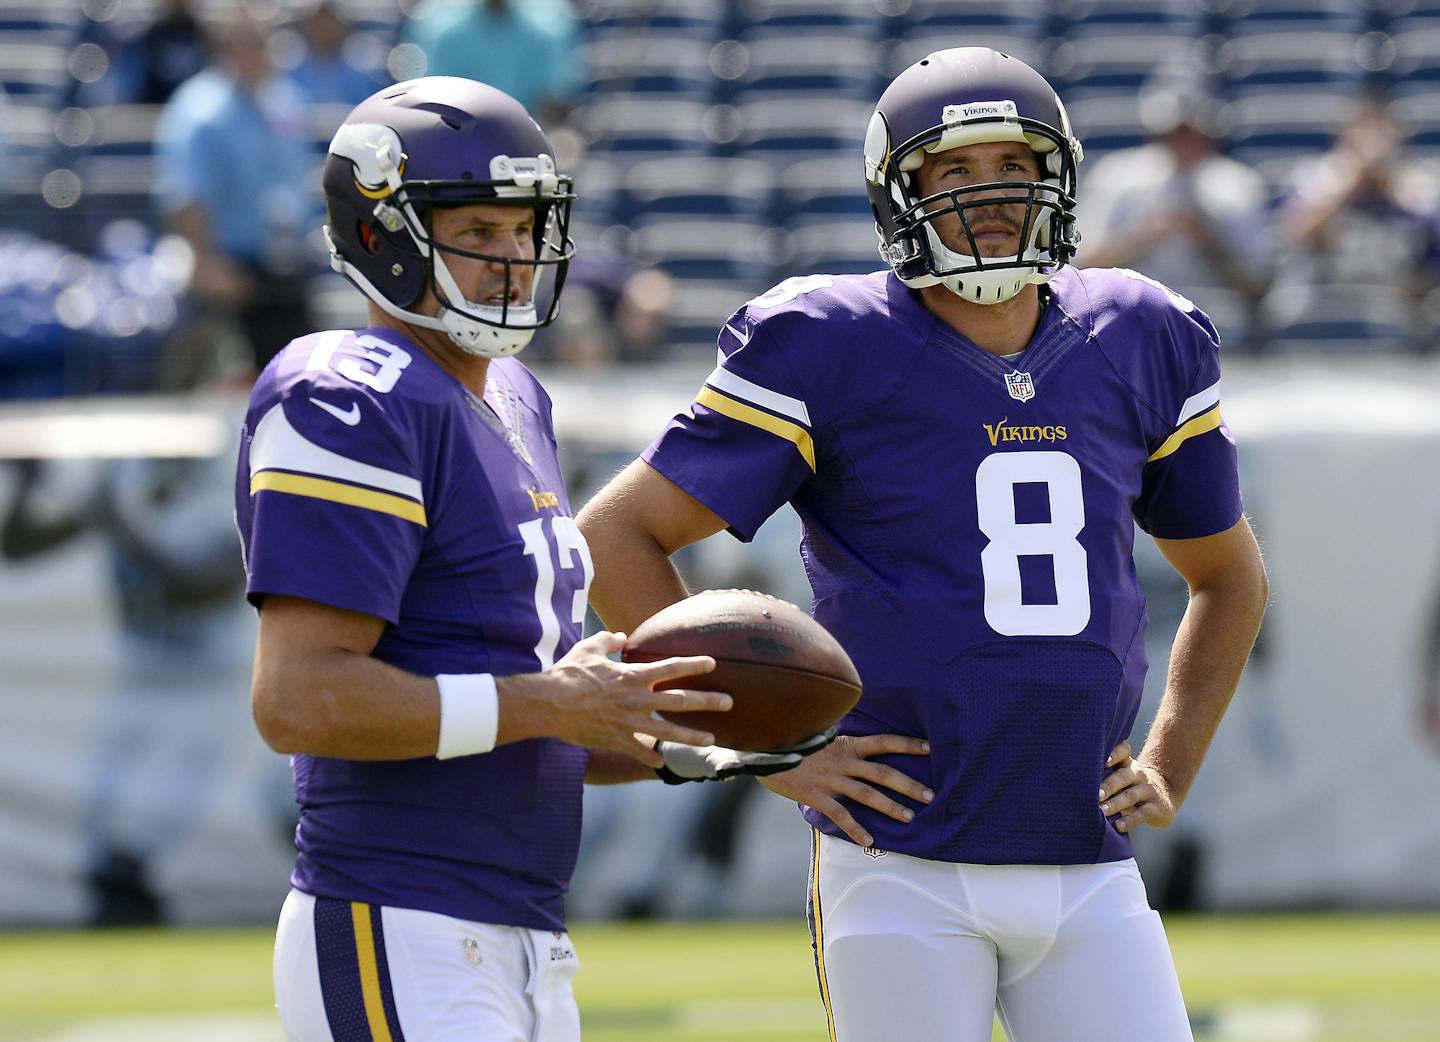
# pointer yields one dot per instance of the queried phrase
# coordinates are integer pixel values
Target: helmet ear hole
(368, 239)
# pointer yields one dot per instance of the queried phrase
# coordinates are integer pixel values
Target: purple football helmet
(966, 96)
(434, 142)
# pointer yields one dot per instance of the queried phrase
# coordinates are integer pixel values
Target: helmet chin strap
(982, 285)
(469, 325)
(469, 334)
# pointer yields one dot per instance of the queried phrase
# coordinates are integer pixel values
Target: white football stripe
(279, 446)
(1199, 402)
(738, 387)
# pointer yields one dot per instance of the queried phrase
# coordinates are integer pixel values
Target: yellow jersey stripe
(335, 492)
(1207, 421)
(791, 432)
(819, 932)
(369, 973)
(724, 380)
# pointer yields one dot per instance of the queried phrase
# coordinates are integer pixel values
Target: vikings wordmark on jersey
(968, 534)
(371, 480)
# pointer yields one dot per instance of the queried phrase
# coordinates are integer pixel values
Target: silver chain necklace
(504, 416)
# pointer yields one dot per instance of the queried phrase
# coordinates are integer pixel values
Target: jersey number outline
(570, 545)
(790, 289)
(1009, 540)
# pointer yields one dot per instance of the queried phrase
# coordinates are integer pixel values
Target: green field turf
(1250, 979)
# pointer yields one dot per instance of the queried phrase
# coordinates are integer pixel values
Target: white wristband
(469, 714)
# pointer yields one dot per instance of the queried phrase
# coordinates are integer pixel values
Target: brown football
(789, 677)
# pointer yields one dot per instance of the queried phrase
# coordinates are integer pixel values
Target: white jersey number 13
(1009, 540)
(573, 553)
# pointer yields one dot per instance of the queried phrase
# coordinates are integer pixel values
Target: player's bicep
(292, 628)
(1228, 557)
(299, 644)
(641, 498)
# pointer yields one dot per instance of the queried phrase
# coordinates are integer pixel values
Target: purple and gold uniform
(968, 527)
(372, 481)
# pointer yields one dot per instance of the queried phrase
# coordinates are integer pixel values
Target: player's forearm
(612, 767)
(1210, 650)
(355, 707)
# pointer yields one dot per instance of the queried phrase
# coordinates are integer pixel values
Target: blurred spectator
(148, 53)
(325, 73)
(1359, 237)
(528, 49)
(177, 580)
(170, 50)
(1179, 211)
(615, 311)
(235, 180)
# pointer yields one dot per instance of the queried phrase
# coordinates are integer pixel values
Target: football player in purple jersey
(970, 437)
(422, 584)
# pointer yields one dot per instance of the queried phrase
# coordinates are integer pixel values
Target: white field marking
(213, 1027)
(735, 1018)
(1292, 1021)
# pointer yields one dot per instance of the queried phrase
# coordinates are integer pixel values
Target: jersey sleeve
(1190, 485)
(335, 509)
(747, 442)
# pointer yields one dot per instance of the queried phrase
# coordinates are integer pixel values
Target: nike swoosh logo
(350, 417)
(743, 338)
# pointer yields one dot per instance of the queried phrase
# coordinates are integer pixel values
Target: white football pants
(352, 972)
(909, 950)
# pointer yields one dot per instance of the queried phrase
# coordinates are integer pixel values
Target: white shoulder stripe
(738, 387)
(1199, 402)
(277, 445)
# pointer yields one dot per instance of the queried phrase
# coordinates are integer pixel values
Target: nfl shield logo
(1020, 386)
(471, 949)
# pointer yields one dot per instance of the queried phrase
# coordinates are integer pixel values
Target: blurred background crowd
(1278, 161)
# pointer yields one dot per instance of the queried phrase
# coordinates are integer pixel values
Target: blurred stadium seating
(752, 110)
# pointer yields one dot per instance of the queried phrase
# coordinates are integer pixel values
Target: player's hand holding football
(845, 768)
(1137, 792)
(594, 701)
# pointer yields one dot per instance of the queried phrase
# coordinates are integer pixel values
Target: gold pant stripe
(369, 972)
(819, 932)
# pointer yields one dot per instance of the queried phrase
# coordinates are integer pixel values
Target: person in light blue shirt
(526, 50)
(234, 178)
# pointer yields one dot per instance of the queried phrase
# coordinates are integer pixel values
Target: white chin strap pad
(983, 285)
(471, 334)
(487, 341)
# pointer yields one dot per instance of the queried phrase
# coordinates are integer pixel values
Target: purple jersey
(969, 524)
(371, 480)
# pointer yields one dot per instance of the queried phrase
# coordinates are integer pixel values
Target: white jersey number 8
(1009, 540)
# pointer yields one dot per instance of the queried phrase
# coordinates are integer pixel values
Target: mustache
(982, 215)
